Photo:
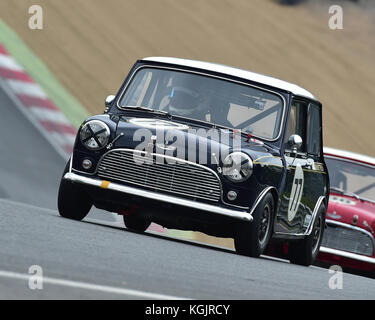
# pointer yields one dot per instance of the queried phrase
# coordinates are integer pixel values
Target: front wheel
(252, 238)
(73, 202)
(304, 252)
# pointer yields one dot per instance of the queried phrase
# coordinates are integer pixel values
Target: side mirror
(295, 142)
(109, 100)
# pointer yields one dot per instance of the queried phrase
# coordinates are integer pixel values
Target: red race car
(348, 239)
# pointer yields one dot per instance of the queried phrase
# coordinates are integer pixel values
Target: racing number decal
(296, 193)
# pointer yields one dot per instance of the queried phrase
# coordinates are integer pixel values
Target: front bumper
(103, 184)
(349, 255)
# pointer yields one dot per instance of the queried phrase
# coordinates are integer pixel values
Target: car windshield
(352, 177)
(222, 102)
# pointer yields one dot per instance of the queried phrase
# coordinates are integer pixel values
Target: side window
(314, 129)
(137, 89)
(297, 123)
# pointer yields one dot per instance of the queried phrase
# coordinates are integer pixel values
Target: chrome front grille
(348, 239)
(182, 178)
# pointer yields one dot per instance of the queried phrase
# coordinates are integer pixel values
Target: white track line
(9, 63)
(54, 116)
(26, 88)
(66, 139)
(92, 287)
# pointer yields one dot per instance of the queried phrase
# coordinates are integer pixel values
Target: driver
(187, 101)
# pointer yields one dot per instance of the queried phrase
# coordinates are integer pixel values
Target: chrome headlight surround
(94, 134)
(237, 167)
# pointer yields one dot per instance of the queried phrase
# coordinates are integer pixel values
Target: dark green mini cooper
(199, 146)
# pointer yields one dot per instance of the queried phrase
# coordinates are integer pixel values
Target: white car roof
(248, 75)
(349, 155)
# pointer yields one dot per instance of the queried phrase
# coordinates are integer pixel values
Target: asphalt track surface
(99, 259)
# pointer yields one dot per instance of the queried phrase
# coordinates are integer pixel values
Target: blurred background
(90, 45)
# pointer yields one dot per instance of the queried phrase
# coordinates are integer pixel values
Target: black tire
(73, 203)
(252, 238)
(135, 223)
(304, 252)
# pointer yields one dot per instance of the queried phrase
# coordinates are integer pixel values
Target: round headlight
(237, 167)
(94, 135)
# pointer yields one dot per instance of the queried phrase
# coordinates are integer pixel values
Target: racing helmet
(184, 101)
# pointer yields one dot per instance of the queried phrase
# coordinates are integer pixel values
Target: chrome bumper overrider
(346, 254)
(237, 214)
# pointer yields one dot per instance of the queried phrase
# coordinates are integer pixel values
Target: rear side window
(297, 123)
(305, 120)
(314, 130)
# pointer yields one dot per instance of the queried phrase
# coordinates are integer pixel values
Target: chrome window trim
(71, 163)
(348, 155)
(240, 215)
(360, 163)
(212, 76)
(237, 72)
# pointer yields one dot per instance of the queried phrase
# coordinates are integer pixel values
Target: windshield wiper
(351, 194)
(166, 113)
(346, 193)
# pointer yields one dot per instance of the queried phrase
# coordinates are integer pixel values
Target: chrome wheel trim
(265, 224)
(317, 233)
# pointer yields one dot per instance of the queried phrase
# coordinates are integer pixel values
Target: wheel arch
(322, 200)
(261, 196)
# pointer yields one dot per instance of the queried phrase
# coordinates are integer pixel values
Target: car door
(304, 181)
